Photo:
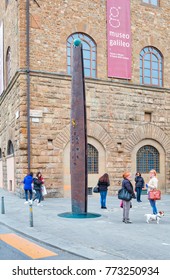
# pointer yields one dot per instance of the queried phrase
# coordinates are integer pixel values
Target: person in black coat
(139, 184)
(126, 183)
(37, 187)
(103, 184)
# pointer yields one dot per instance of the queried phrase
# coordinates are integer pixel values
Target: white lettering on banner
(1, 59)
(119, 43)
(113, 18)
(120, 35)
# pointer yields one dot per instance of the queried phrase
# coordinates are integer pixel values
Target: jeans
(38, 196)
(26, 194)
(103, 195)
(153, 205)
(138, 191)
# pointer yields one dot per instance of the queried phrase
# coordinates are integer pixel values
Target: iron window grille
(148, 158)
(92, 160)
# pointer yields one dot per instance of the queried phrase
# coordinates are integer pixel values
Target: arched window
(147, 159)
(10, 149)
(89, 54)
(8, 65)
(151, 67)
(151, 2)
(92, 161)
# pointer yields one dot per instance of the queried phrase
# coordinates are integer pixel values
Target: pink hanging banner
(119, 39)
(1, 59)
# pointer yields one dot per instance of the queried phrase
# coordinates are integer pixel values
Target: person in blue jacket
(28, 180)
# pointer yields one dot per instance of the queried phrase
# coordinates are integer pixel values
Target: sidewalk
(102, 238)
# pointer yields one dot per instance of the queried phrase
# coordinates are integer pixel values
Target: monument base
(79, 215)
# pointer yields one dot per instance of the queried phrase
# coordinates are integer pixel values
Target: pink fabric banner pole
(119, 39)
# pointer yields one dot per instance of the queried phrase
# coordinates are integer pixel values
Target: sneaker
(128, 222)
(26, 202)
(39, 204)
(30, 201)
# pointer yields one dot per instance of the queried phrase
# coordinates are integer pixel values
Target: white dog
(152, 217)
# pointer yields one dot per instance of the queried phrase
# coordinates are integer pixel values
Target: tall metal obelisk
(78, 133)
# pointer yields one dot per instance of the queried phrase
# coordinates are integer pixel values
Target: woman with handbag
(126, 184)
(103, 185)
(37, 187)
(152, 184)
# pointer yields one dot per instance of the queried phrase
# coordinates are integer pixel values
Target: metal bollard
(2, 206)
(31, 215)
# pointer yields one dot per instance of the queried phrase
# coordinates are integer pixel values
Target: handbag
(96, 189)
(154, 194)
(123, 194)
(44, 191)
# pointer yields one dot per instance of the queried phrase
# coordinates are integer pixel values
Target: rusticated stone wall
(115, 108)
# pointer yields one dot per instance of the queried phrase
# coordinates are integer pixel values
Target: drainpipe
(28, 78)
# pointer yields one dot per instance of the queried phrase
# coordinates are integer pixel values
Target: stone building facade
(123, 116)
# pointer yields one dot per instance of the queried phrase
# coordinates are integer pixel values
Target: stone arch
(154, 42)
(98, 137)
(149, 135)
(147, 131)
(94, 130)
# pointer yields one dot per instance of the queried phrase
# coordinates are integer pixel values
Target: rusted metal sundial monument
(78, 139)
(78, 134)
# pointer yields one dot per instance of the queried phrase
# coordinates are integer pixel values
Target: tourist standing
(103, 184)
(28, 187)
(152, 184)
(37, 188)
(126, 183)
(139, 184)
